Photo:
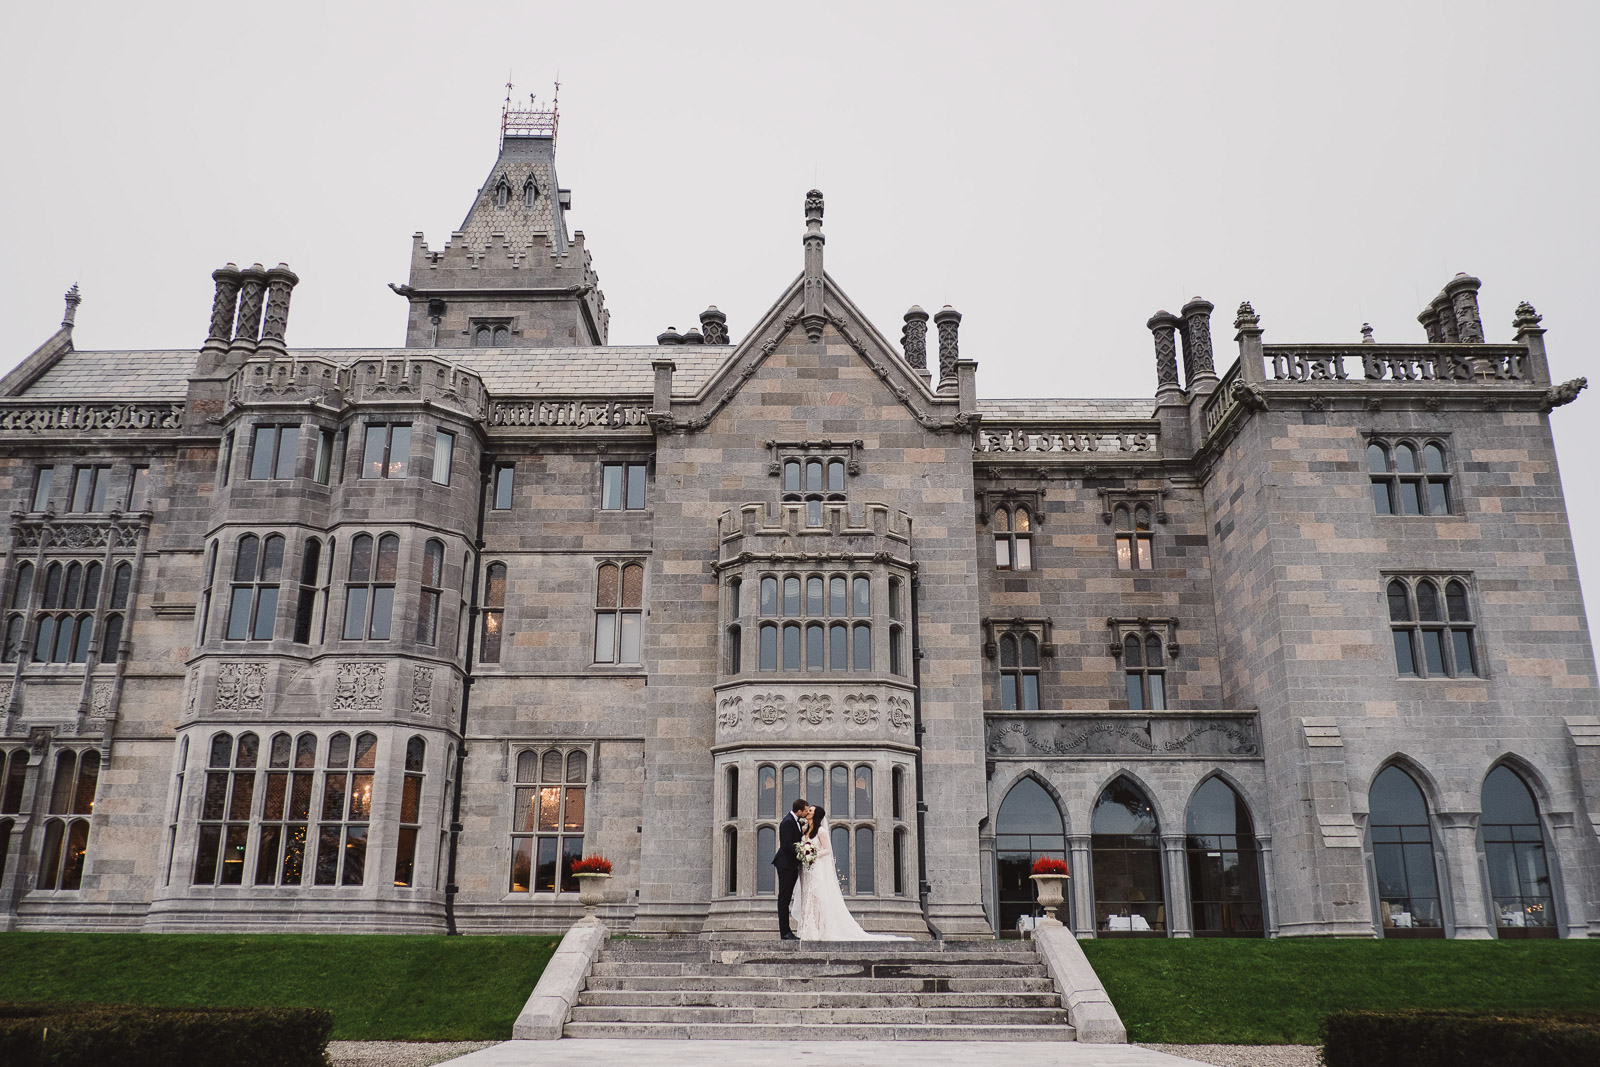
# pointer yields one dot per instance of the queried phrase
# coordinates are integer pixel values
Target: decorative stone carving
(100, 700)
(860, 709)
(1249, 396)
(1163, 326)
(814, 710)
(714, 324)
(280, 284)
(225, 303)
(1462, 293)
(36, 418)
(1091, 734)
(948, 322)
(1197, 358)
(1525, 318)
(768, 711)
(730, 712)
(39, 739)
(241, 687)
(573, 414)
(5, 695)
(194, 695)
(360, 687)
(914, 337)
(421, 690)
(1246, 318)
(251, 289)
(1065, 440)
(899, 712)
(1565, 393)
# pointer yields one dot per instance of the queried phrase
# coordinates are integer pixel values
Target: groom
(788, 864)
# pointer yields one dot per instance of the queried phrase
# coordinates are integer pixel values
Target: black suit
(788, 864)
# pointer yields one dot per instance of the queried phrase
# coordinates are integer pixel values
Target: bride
(823, 915)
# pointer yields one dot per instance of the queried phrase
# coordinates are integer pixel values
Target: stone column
(1082, 885)
(914, 337)
(1269, 893)
(1163, 327)
(1178, 919)
(1198, 363)
(280, 284)
(1565, 843)
(252, 287)
(948, 322)
(714, 324)
(1462, 292)
(1459, 833)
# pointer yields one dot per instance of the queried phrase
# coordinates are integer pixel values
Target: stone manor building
(381, 639)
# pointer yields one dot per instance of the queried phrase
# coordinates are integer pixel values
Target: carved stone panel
(241, 687)
(359, 687)
(421, 690)
(1090, 734)
(815, 712)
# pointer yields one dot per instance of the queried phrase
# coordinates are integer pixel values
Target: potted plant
(591, 873)
(1050, 880)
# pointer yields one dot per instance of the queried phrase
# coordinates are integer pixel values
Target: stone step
(808, 958)
(794, 1000)
(806, 983)
(822, 1017)
(861, 968)
(652, 946)
(681, 1031)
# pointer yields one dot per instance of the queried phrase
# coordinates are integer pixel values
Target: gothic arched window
(1028, 826)
(502, 192)
(530, 192)
(1402, 855)
(1224, 864)
(1514, 848)
(1130, 896)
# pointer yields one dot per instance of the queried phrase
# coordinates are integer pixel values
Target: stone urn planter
(1051, 889)
(591, 892)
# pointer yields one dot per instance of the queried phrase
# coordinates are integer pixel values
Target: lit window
(286, 810)
(388, 451)
(66, 839)
(410, 813)
(345, 810)
(432, 581)
(547, 823)
(1013, 538)
(1134, 541)
(494, 613)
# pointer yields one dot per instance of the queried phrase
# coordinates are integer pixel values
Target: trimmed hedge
(1461, 1039)
(94, 1035)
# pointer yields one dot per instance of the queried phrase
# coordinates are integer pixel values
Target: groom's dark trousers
(788, 865)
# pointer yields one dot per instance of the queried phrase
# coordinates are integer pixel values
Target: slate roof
(101, 375)
(1089, 408)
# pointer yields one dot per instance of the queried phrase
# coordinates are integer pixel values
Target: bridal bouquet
(807, 851)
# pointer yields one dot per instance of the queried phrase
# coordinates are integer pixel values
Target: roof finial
(529, 121)
(74, 298)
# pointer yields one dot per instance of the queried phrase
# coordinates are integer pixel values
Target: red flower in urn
(1050, 865)
(591, 865)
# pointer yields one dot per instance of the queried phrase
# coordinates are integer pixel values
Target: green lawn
(1276, 992)
(378, 987)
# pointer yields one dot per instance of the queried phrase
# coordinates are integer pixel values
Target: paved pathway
(607, 1053)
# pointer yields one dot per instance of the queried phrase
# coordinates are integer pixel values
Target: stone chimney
(1198, 363)
(1163, 327)
(914, 337)
(1462, 292)
(275, 320)
(252, 290)
(948, 323)
(74, 298)
(714, 324)
(224, 306)
(670, 337)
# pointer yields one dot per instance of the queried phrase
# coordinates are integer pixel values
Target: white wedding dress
(819, 905)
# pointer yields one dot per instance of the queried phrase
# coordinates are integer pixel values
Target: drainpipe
(923, 887)
(450, 887)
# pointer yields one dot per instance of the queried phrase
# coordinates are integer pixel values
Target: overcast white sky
(1057, 171)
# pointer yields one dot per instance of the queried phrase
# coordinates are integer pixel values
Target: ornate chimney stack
(714, 324)
(948, 323)
(914, 339)
(1462, 292)
(1198, 363)
(280, 284)
(1163, 327)
(812, 316)
(252, 288)
(1444, 317)
(74, 298)
(224, 306)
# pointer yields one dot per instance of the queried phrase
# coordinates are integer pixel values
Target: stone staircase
(820, 991)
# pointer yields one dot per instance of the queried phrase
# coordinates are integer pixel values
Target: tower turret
(510, 276)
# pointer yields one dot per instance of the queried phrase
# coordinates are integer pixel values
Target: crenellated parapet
(367, 380)
(848, 532)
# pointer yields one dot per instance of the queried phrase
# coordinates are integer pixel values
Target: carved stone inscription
(577, 414)
(1036, 736)
(74, 418)
(1063, 441)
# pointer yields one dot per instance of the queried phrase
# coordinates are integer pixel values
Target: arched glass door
(1513, 845)
(1130, 898)
(1402, 855)
(1028, 826)
(1224, 864)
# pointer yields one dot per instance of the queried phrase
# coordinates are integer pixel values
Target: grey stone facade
(367, 676)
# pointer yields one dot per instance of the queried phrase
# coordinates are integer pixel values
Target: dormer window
(530, 192)
(502, 192)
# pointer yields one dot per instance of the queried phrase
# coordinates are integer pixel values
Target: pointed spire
(813, 317)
